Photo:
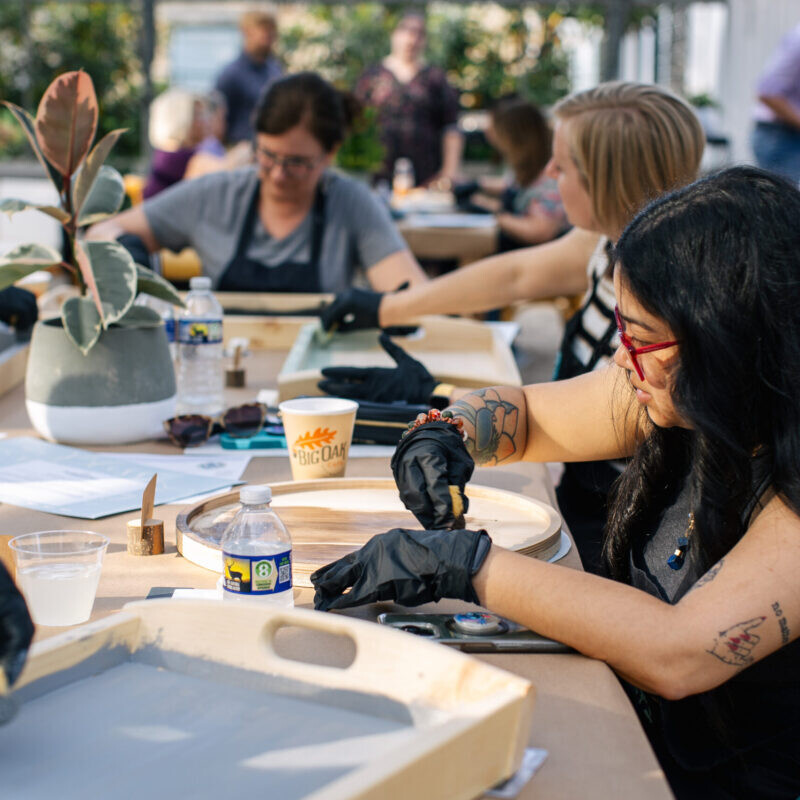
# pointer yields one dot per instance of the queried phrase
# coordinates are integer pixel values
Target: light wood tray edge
(486, 710)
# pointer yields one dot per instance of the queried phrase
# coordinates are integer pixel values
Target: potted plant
(101, 373)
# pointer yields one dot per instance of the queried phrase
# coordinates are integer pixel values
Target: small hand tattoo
(709, 576)
(735, 645)
(784, 625)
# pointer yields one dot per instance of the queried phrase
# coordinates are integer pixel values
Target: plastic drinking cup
(58, 572)
(318, 434)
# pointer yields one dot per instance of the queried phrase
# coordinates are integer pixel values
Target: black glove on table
(406, 566)
(409, 381)
(136, 247)
(353, 309)
(429, 461)
(18, 307)
(16, 628)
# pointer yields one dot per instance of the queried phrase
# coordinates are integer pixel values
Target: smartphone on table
(474, 632)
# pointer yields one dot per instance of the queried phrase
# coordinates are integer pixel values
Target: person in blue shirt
(245, 80)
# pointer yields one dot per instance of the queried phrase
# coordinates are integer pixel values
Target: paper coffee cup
(318, 435)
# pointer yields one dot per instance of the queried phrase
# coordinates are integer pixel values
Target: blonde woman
(615, 148)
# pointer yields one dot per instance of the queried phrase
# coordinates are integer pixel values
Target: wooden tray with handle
(461, 352)
(330, 518)
(190, 698)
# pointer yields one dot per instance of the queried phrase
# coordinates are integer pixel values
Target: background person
(528, 207)
(287, 223)
(244, 80)
(776, 136)
(177, 126)
(602, 185)
(417, 107)
(703, 396)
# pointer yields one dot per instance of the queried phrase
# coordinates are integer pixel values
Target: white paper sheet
(449, 221)
(78, 483)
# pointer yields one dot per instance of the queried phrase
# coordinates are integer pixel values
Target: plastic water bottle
(200, 369)
(403, 179)
(257, 552)
(166, 311)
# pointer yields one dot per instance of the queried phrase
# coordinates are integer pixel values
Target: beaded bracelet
(434, 415)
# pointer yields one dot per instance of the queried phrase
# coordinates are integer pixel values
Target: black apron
(243, 274)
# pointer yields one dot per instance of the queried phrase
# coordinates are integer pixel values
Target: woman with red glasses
(701, 615)
(286, 224)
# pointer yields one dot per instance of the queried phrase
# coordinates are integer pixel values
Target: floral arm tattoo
(492, 424)
(709, 576)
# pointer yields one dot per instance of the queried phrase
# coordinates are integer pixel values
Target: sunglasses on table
(635, 352)
(241, 422)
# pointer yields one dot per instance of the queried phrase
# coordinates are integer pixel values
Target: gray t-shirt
(208, 213)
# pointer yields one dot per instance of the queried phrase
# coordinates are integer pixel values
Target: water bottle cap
(254, 495)
(200, 282)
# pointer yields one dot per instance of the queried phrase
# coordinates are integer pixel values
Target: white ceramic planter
(120, 392)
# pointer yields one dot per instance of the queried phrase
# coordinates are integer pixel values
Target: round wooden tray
(330, 518)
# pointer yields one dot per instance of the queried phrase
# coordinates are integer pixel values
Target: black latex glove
(426, 464)
(462, 192)
(408, 567)
(16, 628)
(351, 310)
(409, 381)
(136, 247)
(18, 307)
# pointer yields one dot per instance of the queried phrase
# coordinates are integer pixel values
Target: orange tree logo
(320, 437)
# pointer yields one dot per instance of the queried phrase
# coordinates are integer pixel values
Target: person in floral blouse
(417, 107)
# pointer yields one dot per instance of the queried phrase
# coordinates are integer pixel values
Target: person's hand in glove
(351, 310)
(431, 466)
(406, 566)
(409, 381)
(16, 628)
(18, 307)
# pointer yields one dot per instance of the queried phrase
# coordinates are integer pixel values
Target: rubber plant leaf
(81, 322)
(66, 121)
(23, 260)
(11, 205)
(27, 123)
(105, 196)
(95, 160)
(139, 317)
(110, 275)
(148, 282)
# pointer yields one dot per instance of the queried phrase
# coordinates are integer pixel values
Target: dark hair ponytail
(309, 100)
(719, 262)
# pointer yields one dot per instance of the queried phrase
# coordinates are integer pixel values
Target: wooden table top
(582, 717)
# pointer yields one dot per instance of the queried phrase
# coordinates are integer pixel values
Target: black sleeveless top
(741, 739)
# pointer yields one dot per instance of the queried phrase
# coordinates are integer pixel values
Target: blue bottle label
(257, 574)
(199, 331)
(169, 324)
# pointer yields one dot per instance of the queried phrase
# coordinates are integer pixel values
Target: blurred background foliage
(488, 51)
(101, 38)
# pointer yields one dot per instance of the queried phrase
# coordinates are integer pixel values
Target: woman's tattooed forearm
(735, 645)
(709, 576)
(490, 424)
(782, 623)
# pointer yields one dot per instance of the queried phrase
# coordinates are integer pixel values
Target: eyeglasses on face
(293, 166)
(635, 352)
(191, 430)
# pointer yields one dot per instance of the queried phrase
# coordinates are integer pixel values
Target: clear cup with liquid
(58, 573)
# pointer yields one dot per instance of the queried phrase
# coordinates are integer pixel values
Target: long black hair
(306, 98)
(719, 262)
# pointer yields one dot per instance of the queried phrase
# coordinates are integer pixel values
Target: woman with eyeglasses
(702, 612)
(288, 223)
(615, 147)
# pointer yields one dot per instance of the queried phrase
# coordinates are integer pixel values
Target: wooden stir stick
(146, 535)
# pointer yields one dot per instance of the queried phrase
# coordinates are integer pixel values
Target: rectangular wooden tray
(457, 351)
(187, 698)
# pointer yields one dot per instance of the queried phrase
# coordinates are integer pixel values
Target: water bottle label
(199, 331)
(169, 324)
(257, 574)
